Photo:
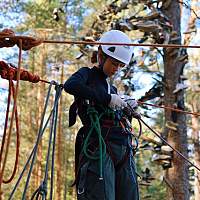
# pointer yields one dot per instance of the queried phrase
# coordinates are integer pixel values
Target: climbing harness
(42, 189)
(95, 126)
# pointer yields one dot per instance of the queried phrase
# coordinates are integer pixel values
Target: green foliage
(39, 14)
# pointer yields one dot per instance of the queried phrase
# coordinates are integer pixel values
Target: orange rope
(124, 44)
(12, 115)
(6, 121)
(17, 141)
(31, 42)
(170, 108)
(9, 72)
(8, 39)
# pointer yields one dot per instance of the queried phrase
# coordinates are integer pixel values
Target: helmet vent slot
(112, 49)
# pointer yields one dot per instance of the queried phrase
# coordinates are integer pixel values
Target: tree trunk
(194, 103)
(195, 139)
(41, 100)
(177, 175)
(191, 24)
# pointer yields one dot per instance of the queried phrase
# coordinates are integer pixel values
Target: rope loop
(95, 126)
(92, 111)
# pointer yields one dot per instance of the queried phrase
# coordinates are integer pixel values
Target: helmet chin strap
(104, 58)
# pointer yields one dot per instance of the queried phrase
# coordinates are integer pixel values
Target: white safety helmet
(120, 52)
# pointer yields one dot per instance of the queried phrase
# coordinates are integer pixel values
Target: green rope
(95, 125)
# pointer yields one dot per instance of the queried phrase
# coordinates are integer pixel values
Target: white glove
(130, 101)
(116, 102)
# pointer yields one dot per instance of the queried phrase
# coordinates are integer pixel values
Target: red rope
(122, 44)
(11, 90)
(12, 115)
(170, 108)
(8, 39)
(6, 123)
(35, 42)
(29, 42)
(9, 72)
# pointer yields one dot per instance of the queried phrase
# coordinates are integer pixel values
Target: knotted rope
(9, 72)
(8, 39)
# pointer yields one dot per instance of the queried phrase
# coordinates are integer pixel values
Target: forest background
(161, 76)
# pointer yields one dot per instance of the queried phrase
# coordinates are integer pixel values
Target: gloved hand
(116, 102)
(130, 101)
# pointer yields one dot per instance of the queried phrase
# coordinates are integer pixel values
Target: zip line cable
(170, 108)
(120, 44)
(10, 71)
(37, 41)
(179, 153)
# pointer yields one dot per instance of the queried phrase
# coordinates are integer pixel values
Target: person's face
(111, 66)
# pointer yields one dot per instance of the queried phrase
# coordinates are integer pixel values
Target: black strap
(82, 179)
(73, 113)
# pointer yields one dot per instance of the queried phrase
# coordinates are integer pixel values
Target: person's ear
(100, 55)
(94, 58)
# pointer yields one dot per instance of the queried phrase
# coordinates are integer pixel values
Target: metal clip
(81, 190)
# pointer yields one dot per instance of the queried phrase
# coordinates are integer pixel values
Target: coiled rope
(95, 126)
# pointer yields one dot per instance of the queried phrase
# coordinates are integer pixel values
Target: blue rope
(37, 143)
(42, 190)
(53, 154)
(27, 162)
(40, 134)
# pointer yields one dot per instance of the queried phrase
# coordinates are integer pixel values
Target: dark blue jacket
(89, 83)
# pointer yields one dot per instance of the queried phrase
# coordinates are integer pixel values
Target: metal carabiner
(81, 190)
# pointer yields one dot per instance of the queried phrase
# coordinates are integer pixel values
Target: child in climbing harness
(104, 154)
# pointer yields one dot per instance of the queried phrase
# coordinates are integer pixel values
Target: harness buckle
(81, 190)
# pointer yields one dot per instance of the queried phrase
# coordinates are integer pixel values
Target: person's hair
(94, 57)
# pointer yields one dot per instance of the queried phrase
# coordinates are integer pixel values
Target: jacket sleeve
(77, 86)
